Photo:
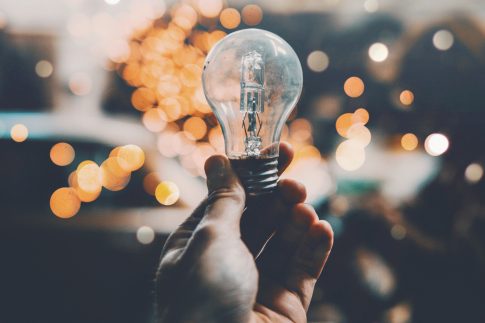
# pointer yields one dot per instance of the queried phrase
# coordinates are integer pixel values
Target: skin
(238, 260)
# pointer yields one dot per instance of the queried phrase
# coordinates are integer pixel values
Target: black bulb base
(259, 175)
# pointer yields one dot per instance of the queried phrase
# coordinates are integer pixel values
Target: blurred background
(104, 130)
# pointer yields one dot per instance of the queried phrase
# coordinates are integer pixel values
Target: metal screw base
(258, 175)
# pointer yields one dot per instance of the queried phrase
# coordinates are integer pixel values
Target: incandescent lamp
(252, 79)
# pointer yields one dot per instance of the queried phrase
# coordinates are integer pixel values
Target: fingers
(286, 240)
(308, 262)
(263, 216)
(226, 199)
(285, 157)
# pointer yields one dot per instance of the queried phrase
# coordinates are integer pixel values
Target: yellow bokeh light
(436, 144)
(185, 16)
(474, 173)
(19, 132)
(113, 176)
(143, 99)
(409, 141)
(195, 127)
(230, 18)
(343, 123)
(62, 154)
(252, 14)
(154, 120)
(354, 87)
(89, 178)
(360, 115)
(350, 156)
(131, 157)
(406, 97)
(44, 68)
(65, 203)
(171, 107)
(167, 193)
(210, 8)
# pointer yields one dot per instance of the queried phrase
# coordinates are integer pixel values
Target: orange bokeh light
(19, 133)
(230, 18)
(195, 127)
(409, 141)
(62, 154)
(65, 203)
(354, 87)
(252, 14)
(343, 123)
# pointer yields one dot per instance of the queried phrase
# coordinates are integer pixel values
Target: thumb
(226, 200)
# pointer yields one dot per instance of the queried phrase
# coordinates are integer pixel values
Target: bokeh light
(19, 132)
(131, 157)
(113, 176)
(354, 87)
(359, 134)
(44, 68)
(436, 144)
(443, 39)
(406, 97)
(145, 235)
(89, 178)
(80, 83)
(378, 52)
(195, 127)
(317, 61)
(154, 120)
(230, 18)
(210, 8)
(473, 173)
(409, 141)
(65, 203)
(252, 14)
(343, 123)
(62, 154)
(360, 115)
(167, 193)
(350, 155)
(371, 5)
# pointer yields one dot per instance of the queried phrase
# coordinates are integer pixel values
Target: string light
(354, 87)
(436, 144)
(378, 52)
(317, 61)
(19, 132)
(62, 154)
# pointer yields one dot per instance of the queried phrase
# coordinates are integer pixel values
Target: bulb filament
(252, 100)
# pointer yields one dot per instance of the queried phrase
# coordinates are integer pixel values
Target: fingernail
(215, 166)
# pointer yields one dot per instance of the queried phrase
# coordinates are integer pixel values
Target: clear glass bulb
(252, 80)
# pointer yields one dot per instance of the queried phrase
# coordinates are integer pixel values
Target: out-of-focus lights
(350, 155)
(378, 52)
(300, 130)
(190, 75)
(443, 39)
(154, 120)
(409, 141)
(230, 18)
(112, 2)
(113, 176)
(436, 144)
(210, 8)
(473, 173)
(145, 235)
(167, 193)
(360, 115)
(89, 178)
(80, 83)
(317, 61)
(196, 127)
(406, 97)
(371, 6)
(65, 203)
(359, 134)
(252, 14)
(185, 16)
(44, 68)
(354, 87)
(19, 132)
(398, 232)
(62, 154)
(343, 123)
(131, 157)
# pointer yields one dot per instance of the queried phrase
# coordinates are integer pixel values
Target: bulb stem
(259, 175)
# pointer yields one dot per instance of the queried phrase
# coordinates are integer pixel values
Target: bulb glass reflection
(252, 80)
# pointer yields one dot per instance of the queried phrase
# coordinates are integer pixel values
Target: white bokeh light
(473, 173)
(145, 235)
(443, 39)
(436, 144)
(378, 52)
(317, 61)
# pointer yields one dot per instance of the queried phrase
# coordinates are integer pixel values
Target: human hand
(223, 266)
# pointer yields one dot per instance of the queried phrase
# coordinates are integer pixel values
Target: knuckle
(234, 193)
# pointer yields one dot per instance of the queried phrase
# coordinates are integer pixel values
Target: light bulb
(252, 80)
